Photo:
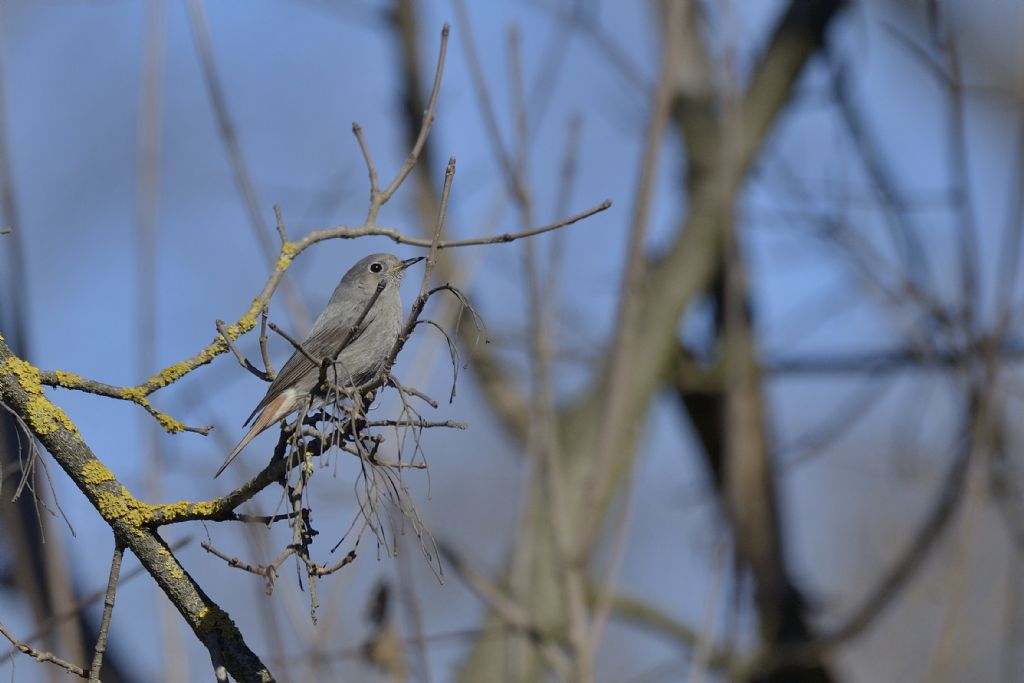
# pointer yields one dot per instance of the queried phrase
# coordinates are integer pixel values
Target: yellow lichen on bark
(43, 416)
(170, 425)
(170, 564)
(173, 373)
(288, 252)
(123, 506)
(245, 323)
(118, 505)
(172, 512)
(135, 395)
(69, 380)
(95, 472)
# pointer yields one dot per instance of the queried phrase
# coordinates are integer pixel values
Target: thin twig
(371, 170)
(242, 360)
(296, 344)
(264, 353)
(268, 572)
(411, 391)
(421, 139)
(442, 211)
(40, 655)
(322, 570)
(282, 231)
(344, 232)
(108, 609)
(421, 299)
(266, 520)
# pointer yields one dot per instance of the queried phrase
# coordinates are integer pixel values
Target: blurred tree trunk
(686, 269)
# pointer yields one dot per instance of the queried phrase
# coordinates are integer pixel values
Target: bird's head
(368, 272)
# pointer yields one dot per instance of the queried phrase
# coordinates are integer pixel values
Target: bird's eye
(376, 267)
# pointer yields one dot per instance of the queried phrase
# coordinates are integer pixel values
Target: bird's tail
(274, 411)
(249, 436)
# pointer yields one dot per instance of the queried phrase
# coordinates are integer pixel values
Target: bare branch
(380, 198)
(108, 608)
(268, 572)
(411, 391)
(242, 360)
(41, 656)
(297, 345)
(282, 231)
(357, 130)
(264, 352)
(343, 232)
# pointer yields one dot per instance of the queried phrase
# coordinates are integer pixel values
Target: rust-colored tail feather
(274, 411)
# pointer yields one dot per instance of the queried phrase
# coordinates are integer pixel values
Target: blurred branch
(509, 610)
(260, 229)
(668, 284)
(649, 617)
(901, 228)
(967, 229)
(686, 267)
(149, 146)
(730, 419)
(885, 590)
(747, 478)
(894, 360)
(627, 337)
(582, 16)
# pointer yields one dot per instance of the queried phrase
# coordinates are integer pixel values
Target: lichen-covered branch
(129, 518)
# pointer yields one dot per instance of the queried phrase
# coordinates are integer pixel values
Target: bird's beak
(408, 262)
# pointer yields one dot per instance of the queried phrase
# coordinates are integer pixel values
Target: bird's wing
(322, 341)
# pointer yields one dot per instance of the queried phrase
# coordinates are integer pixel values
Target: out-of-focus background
(757, 421)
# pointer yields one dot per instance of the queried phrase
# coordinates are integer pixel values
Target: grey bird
(362, 357)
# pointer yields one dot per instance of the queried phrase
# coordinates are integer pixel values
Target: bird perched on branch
(359, 327)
